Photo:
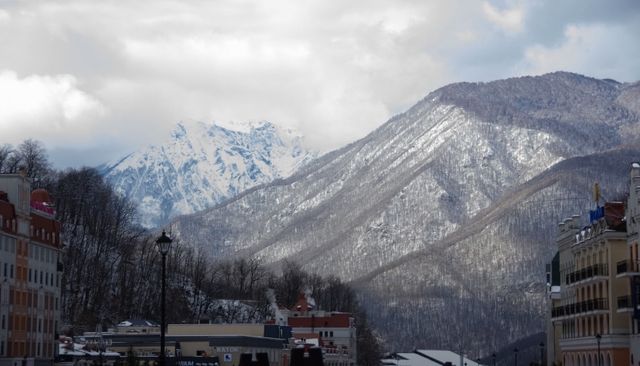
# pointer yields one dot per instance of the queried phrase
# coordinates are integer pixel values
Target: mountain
(203, 164)
(445, 216)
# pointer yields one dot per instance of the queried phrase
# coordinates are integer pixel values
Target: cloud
(117, 76)
(509, 20)
(4, 16)
(592, 49)
(45, 106)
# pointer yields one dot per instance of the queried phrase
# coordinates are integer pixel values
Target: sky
(96, 80)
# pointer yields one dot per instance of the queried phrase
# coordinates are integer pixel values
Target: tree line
(111, 266)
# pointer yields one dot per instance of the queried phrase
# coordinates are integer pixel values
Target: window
(331, 334)
(4, 320)
(29, 274)
(11, 272)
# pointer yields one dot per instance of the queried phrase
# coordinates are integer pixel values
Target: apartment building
(29, 273)
(630, 268)
(587, 322)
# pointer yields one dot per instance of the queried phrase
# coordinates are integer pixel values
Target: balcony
(595, 270)
(627, 268)
(625, 303)
(580, 307)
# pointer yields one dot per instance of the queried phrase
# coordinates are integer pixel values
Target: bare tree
(6, 151)
(33, 159)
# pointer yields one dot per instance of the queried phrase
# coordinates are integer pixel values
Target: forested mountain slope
(454, 192)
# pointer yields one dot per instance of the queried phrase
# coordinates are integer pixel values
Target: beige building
(587, 320)
(566, 237)
(29, 273)
(631, 268)
(205, 344)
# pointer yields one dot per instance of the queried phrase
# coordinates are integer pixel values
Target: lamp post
(598, 337)
(541, 345)
(163, 243)
(515, 352)
(101, 346)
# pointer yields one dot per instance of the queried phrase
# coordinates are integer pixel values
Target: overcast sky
(94, 80)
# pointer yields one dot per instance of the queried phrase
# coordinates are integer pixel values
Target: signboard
(228, 357)
(227, 349)
(193, 361)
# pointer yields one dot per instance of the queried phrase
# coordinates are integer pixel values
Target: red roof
(614, 215)
(302, 304)
(336, 320)
(40, 195)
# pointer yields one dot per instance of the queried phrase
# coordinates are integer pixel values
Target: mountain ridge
(202, 164)
(422, 178)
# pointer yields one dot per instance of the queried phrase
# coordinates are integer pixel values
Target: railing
(580, 307)
(624, 302)
(626, 266)
(43, 208)
(600, 269)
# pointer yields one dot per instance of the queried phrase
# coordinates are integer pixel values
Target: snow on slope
(202, 164)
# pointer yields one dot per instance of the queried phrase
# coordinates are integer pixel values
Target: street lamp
(541, 352)
(598, 337)
(163, 243)
(101, 346)
(515, 352)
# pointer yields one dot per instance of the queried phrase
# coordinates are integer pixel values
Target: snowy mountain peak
(202, 164)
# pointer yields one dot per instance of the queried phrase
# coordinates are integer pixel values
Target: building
(557, 298)
(137, 326)
(424, 357)
(630, 268)
(586, 312)
(188, 344)
(334, 332)
(30, 273)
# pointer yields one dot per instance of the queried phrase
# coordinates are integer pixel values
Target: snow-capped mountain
(444, 216)
(202, 164)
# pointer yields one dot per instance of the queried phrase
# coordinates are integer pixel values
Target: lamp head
(163, 243)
